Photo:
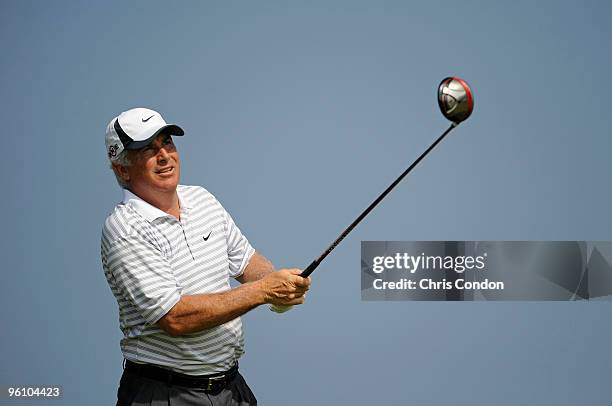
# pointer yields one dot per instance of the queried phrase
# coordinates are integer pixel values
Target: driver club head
(455, 99)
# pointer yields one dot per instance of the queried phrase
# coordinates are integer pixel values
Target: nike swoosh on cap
(144, 120)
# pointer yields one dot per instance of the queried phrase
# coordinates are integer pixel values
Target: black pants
(137, 390)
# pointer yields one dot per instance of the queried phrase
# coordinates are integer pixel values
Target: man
(168, 251)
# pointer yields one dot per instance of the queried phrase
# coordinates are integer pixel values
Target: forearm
(260, 284)
(257, 268)
(198, 312)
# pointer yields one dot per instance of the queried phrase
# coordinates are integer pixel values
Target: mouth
(165, 171)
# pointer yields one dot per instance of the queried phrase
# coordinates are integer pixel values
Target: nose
(162, 154)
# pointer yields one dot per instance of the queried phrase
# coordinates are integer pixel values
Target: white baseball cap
(135, 129)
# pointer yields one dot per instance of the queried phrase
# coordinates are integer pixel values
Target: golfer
(168, 252)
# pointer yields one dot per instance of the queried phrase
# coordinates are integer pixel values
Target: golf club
(456, 102)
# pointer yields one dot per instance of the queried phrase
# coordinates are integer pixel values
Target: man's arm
(260, 285)
(258, 267)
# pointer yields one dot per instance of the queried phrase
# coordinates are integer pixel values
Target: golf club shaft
(310, 268)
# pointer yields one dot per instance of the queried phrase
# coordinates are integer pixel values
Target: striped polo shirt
(150, 259)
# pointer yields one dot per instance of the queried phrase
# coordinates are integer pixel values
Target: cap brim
(170, 129)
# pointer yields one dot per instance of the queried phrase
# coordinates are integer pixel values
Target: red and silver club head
(455, 99)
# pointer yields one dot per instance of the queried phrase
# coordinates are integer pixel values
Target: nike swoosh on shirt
(206, 238)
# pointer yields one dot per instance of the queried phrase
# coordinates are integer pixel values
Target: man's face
(155, 168)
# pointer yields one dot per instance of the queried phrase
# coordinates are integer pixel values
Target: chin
(167, 184)
(170, 185)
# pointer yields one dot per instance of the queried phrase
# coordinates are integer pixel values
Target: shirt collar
(150, 212)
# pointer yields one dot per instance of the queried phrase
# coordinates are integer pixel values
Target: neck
(168, 202)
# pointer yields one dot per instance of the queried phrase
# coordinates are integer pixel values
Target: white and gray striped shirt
(151, 259)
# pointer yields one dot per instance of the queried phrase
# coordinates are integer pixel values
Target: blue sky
(297, 114)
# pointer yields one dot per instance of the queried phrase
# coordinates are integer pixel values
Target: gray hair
(123, 160)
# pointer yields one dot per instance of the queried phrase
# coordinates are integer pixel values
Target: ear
(122, 172)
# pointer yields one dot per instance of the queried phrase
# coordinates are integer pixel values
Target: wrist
(259, 292)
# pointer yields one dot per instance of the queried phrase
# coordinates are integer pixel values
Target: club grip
(305, 273)
(310, 269)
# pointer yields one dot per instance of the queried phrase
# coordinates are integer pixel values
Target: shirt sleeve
(239, 251)
(144, 276)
